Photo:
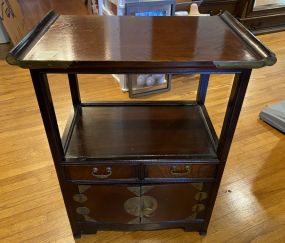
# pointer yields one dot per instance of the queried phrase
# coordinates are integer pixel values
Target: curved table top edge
(15, 56)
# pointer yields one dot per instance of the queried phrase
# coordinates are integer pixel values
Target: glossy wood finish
(103, 172)
(132, 205)
(107, 44)
(141, 205)
(189, 204)
(74, 89)
(140, 131)
(41, 87)
(180, 171)
(118, 172)
(34, 10)
(101, 204)
(106, 39)
(250, 203)
(202, 89)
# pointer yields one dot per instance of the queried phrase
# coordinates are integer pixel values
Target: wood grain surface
(104, 204)
(140, 132)
(185, 206)
(129, 38)
(113, 44)
(128, 172)
(180, 171)
(251, 203)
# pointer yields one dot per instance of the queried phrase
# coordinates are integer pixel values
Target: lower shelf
(140, 131)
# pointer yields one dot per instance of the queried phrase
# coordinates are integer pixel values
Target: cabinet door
(172, 202)
(107, 203)
(145, 204)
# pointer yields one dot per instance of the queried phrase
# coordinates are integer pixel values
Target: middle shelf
(140, 131)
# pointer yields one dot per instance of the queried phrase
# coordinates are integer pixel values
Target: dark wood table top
(126, 43)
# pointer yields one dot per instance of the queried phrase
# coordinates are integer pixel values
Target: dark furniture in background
(259, 20)
(212, 7)
(140, 165)
(262, 19)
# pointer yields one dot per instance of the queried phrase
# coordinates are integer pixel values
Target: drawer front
(180, 171)
(101, 172)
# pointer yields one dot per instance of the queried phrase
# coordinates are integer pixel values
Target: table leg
(44, 98)
(202, 88)
(74, 89)
(231, 118)
(232, 113)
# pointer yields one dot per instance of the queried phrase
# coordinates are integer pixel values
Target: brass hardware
(145, 189)
(135, 190)
(104, 176)
(134, 221)
(145, 220)
(141, 206)
(199, 196)
(198, 186)
(81, 198)
(147, 212)
(82, 210)
(174, 172)
(149, 205)
(132, 206)
(83, 188)
(191, 217)
(89, 219)
(197, 208)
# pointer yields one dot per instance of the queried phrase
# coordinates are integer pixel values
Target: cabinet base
(91, 228)
(77, 235)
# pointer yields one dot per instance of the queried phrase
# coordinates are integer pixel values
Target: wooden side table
(139, 165)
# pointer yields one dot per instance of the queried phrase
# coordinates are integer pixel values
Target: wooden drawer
(180, 171)
(100, 172)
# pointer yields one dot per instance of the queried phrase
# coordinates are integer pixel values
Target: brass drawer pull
(148, 212)
(180, 173)
(104, 176)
